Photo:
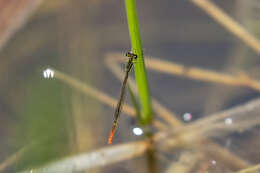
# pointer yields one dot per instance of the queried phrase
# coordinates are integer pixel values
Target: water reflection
(48, 73)
(137, 131)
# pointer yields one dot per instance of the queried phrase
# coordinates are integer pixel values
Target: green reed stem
(140, 71)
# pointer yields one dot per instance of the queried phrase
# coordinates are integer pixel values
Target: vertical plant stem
(140, 71)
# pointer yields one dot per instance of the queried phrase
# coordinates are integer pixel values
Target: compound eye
(131, 55)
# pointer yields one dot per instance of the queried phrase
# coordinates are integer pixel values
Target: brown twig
(202, 74)
(245, 116)
(196, 73)
(98, 158)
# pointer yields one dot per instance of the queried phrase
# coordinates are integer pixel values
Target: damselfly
(122, 95)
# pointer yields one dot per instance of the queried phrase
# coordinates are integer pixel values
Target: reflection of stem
(230, 24)
(151, 160)
(151, 155)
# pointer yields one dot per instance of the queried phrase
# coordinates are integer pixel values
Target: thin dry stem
(249, 108)
(230, 24)
(195, 73)
(98, 158)
(243, 117)
(201, 74)
(192, 135)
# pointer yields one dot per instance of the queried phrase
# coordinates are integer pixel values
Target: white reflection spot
(213, 162)
(228, 121)
(48, 73)
(187, 116)
(137, 131)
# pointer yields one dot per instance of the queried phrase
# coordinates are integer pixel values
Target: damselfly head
(131, 55)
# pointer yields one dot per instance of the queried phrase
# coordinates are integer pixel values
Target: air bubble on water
(137, 131)
(213, 162)
(48, 73)
(187, 116)
(228, 121)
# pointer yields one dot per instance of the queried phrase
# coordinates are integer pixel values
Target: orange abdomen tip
(111, 136)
